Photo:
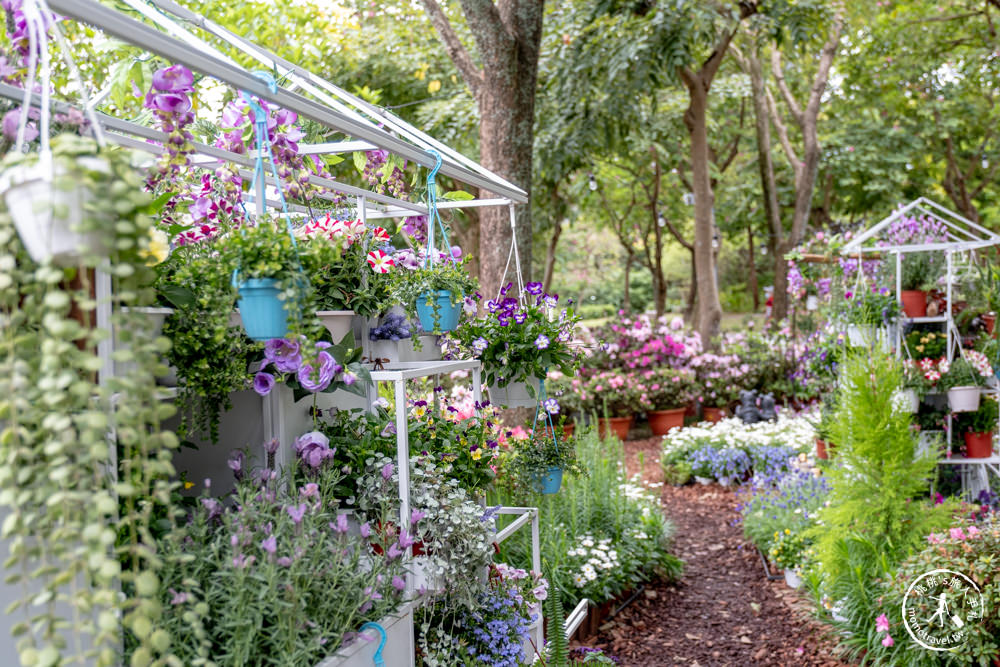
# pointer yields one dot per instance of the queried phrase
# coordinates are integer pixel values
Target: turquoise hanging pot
(263, 313)
(446, 318)
(550, 482)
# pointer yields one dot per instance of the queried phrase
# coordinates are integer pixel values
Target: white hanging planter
(860, 336)
(47, 217)
(337, 322)
(398, 649)
(963, 399)
(792, 578)
(514, 395)
(429, 350)
(156, 316)
(911, 401)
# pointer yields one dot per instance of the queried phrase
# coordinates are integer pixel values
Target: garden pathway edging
(723, 611)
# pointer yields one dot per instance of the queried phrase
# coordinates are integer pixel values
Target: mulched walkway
(723, 611)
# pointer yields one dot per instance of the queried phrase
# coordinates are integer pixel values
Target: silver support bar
(150, 39)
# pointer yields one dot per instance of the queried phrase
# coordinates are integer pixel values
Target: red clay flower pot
(712, 414)
(824, 449)
(661, 421)
(618, 425)
(568, 429)
(990, 322)
(914, 302)
(979, 445)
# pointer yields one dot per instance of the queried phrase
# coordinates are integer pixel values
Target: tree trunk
(627, 295)
(550, 256)
(765, 164)
(695, 118)
(752, 267)
(780, 294)
(507, 37)
(692, 296)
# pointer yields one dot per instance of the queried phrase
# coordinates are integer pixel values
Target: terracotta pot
(990, 322)
(661, 421)
(712, 414)
(568, 429)
(618, 425)
(979, 445)
(914, 302)
(821, 451)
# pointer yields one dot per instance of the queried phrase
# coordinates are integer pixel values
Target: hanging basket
(911, 401)
(448, 313)
(963, 399)
(550, 481)
(514, 395)
(263, 313)
(46, 217)
(337, 322)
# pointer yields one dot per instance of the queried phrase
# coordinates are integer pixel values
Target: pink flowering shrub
(617, 393)
(638, 343)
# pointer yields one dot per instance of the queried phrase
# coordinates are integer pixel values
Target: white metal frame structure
(964, 236)
(321, 101)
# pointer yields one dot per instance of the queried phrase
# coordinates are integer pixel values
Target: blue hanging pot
(263, 313)
(448, 313)
(550, 482)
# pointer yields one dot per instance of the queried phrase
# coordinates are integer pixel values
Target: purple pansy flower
(542, 341)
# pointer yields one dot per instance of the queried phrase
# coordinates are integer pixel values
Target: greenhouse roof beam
(963, 234)
(310, 81)
(128, 127)
(135, 32)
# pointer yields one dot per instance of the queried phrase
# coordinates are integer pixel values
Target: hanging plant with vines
(86, 470)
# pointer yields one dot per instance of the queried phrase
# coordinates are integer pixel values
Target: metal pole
(403, 464)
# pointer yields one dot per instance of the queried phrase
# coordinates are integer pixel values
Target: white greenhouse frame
(321, 101)
(964, 235)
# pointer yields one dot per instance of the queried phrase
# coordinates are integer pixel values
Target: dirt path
(723, 611)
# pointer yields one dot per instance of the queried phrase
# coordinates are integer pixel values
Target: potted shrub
(978, 427)
(668, 392)
(348, 265)
(962, 379)
(927, 344)
(270, 280)
(717, 379)
(867, 313)
(48, 194)
(615, 397)
(519, 340)
(985, 294)
(539, 462)
(433, 295)
(917, 276)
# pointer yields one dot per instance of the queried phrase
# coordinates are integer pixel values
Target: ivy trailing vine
(86, 469)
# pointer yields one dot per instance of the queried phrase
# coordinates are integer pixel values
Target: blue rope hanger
(432, 210)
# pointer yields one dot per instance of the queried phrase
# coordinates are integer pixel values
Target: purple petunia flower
(263, 383)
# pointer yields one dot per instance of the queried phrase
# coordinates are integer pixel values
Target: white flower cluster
(796, 431)
(595, 556)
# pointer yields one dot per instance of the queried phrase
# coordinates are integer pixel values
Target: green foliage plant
(275, 578)
(678, 473)
(407, 286)
(919, 271)
(591, 517)
(877, 477)
(86, 467)
(557, 647)
(983, 420)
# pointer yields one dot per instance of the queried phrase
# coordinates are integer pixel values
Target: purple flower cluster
(394, 327)
(314, 375)
(497, 628)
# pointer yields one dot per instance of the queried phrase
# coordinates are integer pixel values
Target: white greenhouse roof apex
(962, 233)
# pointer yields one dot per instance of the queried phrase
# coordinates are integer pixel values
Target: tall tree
(507, 36)
(805, 162)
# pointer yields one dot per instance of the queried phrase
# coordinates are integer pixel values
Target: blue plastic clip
(378, 659)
